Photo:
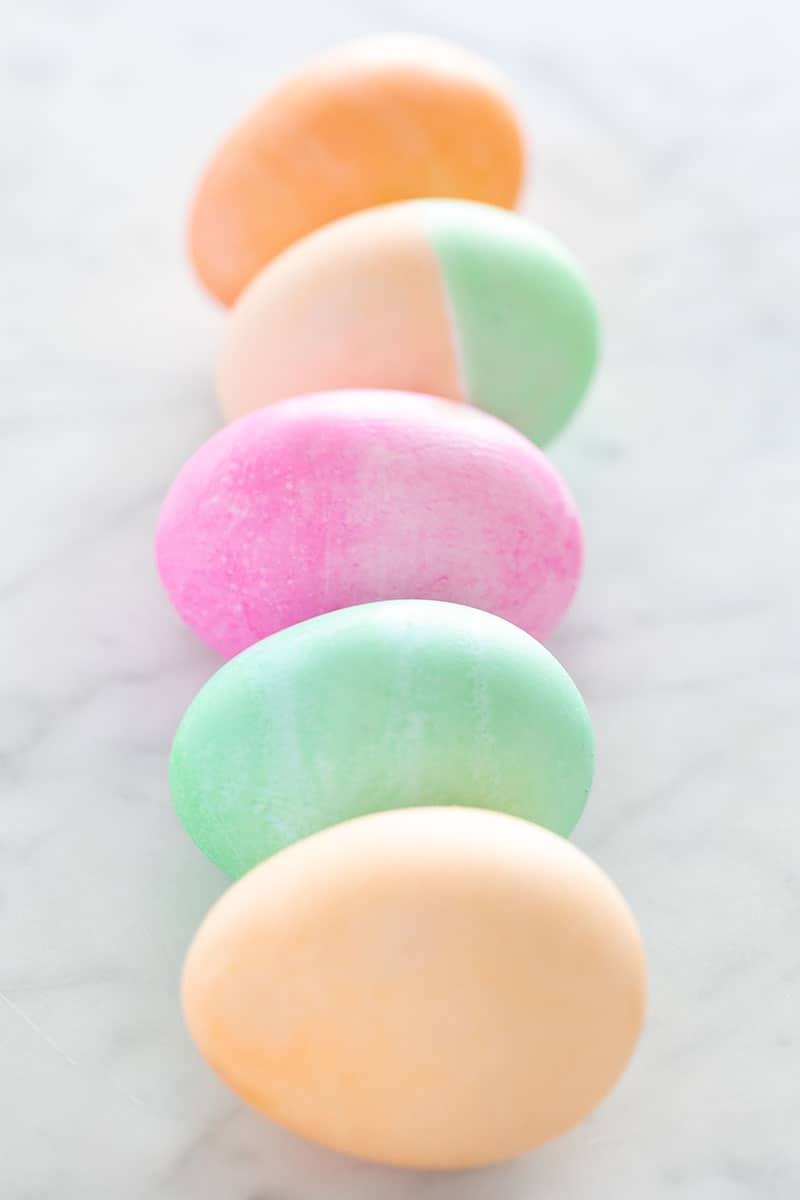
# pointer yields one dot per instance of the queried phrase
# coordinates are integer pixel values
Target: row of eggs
(414, 965)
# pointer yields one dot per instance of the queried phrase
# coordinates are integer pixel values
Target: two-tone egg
(447, 297)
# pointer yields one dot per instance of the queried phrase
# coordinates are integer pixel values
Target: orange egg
(439, 987)
(383, 119)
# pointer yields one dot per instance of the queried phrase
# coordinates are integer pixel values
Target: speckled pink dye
(342, 498)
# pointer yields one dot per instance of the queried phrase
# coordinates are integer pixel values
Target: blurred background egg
(381, 119)
(426, 988)
(390, 705)
(448, 297)
(342, 498)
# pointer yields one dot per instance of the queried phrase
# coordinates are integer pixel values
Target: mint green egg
(396, 704)
(525, 323)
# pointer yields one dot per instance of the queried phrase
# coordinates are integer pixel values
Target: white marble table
(667, 158)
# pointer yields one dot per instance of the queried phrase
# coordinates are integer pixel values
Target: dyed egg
(326, 501)
(428, 988)
(446, 297)
(390, 705)
(383, 119)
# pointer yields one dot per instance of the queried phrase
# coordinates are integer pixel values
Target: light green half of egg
(525, 323)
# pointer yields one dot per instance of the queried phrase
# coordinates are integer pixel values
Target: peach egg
(439, 987)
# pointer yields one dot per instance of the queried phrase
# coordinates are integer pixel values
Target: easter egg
(390, 705)
(341, 498)
(382, 119)
(447, 297)
(430, 988)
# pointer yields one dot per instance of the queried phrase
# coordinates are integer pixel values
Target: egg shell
(448, 297)
(430, 988)
(397, 704)
(381, 119)
(342, 498)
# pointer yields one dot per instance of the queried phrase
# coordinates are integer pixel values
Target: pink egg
(342, 498)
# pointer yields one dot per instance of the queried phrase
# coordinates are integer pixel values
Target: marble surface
(666, 157)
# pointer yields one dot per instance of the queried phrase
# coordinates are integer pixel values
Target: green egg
(396, 704)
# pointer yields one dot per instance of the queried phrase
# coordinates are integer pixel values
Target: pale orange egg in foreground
(436, 987)
(383, 119)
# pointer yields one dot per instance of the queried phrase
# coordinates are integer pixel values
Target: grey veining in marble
(666, 156)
